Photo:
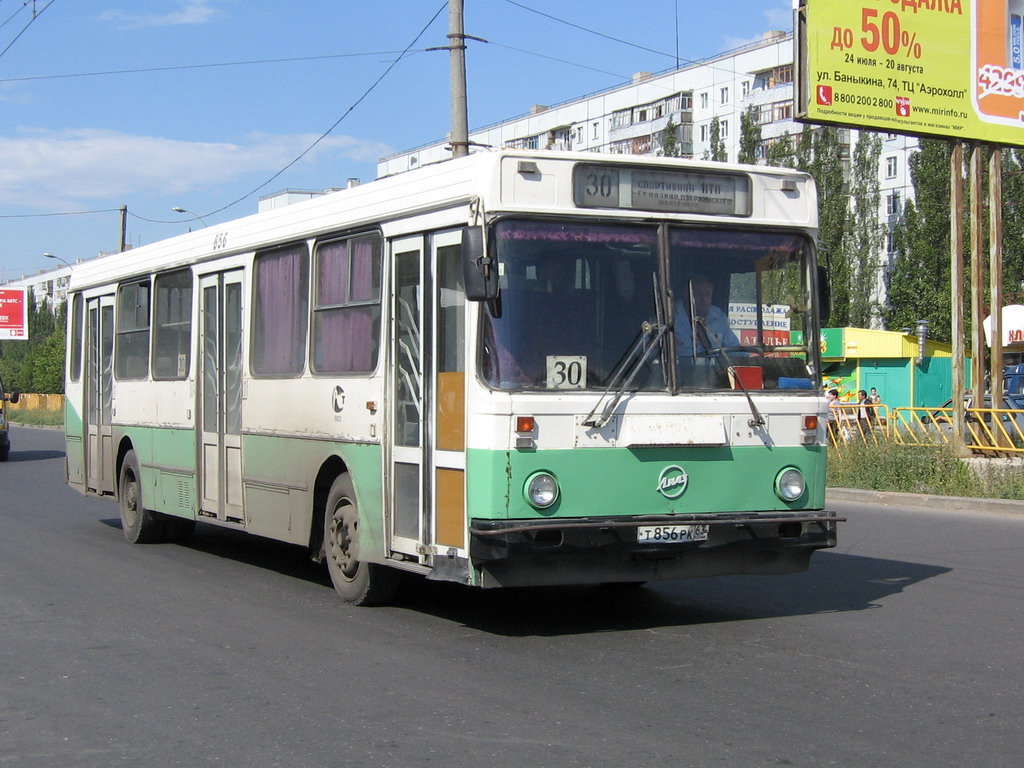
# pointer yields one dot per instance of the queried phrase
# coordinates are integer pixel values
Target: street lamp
(58, 258)
(178, 209)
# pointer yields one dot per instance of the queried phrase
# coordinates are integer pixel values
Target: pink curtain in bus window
(346, 336)
(281, 303)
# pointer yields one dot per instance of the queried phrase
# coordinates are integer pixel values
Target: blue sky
(198, 103)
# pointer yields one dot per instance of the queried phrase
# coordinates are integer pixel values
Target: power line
(553, 58)
(45, 215)
(337, 122)
(35, 15)
(196, 66)
(587, 29)
(675, 57)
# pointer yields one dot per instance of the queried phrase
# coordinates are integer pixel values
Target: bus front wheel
(358, 582)
(140, 526)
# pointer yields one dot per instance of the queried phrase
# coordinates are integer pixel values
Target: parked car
(5, 439)
(942, 417)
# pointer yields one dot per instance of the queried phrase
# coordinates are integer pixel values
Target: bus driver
(711, 325)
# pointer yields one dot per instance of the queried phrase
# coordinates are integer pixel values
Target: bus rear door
(99, 385)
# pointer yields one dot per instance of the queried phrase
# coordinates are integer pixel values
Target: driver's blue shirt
(718, 329)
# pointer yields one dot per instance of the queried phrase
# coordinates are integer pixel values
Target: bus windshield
(581, 304)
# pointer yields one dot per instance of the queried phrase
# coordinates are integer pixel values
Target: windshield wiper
(646, 343)
(730, 370)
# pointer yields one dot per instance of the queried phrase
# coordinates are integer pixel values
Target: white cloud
(51, 170)
(190, 12)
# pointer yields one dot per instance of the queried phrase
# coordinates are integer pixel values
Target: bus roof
(446, 185)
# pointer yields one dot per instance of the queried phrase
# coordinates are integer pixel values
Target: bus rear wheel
(358, 582)
(140, 526)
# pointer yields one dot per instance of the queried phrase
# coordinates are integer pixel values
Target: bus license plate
(671, 534)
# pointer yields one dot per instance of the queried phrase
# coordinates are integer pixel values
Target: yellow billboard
(950, 68)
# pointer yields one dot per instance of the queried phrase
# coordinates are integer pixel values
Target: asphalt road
(900, 648)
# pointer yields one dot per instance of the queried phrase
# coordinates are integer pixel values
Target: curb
(950, 503)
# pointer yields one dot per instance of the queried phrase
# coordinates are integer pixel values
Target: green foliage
(36, 417)
(863, 237)
(669, 140)
(901, 468)
(780, 152)
(933, 470)
(820, 153)
(716, 151)
(918, 284)
(750, 136)
(36, 364)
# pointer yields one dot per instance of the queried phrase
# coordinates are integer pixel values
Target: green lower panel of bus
(637, 515)
(642, 481)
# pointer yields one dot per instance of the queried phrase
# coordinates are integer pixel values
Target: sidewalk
(953, 503)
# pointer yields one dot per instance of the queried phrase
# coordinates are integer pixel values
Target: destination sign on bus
(670, 191)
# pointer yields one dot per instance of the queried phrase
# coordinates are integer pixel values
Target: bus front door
(220, 396)
(99, 385)
(427, 487)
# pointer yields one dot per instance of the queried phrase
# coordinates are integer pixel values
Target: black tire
(358, 582)
(140, 526)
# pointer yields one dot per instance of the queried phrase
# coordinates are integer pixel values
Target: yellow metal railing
(854, 423)
(986, 430)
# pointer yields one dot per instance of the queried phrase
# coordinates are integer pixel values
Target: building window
(723, 129)
(704, 132)
(890, 243)
(724, 96)
(891, 167)
(704, 100)
(782, 110)
(892, 204)
(597, 131)
(744, 88)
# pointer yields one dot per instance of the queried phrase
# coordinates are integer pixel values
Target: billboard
(13, 313)
(945, 68)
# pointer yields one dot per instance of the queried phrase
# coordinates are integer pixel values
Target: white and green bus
(508, 369)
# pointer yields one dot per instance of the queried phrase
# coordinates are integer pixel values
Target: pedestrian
(833, 415)
(864, 409)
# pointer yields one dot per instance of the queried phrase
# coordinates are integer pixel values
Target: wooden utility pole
(977, 277)
(457, 58)
(956, 280)
(995, 272)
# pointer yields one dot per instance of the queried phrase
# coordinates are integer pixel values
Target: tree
(716, 151)
(36, 364)
(820, 153)
(669, 140)
(780, 153)
(863, 236)
(918, 284)
(750, 136)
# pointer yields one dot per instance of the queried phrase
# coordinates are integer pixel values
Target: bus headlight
(790, 484)
(542, 490)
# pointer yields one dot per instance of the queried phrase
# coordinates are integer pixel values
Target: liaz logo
(672, 481)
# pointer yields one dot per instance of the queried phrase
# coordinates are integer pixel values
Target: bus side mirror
(15, 396)
(824, 296)
(479, 270)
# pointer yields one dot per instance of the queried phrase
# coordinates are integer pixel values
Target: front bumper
(599, 550)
